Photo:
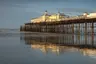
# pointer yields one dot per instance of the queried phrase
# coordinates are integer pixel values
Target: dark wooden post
(85, 33)
(73, 32)
(92, 33)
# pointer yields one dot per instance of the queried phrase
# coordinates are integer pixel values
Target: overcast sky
(14, 13)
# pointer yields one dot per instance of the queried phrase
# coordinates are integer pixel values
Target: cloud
(27, 1)
(79, 10)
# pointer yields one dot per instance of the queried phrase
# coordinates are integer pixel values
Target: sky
(14, 13)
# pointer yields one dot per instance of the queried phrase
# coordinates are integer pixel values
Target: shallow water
(44, 48)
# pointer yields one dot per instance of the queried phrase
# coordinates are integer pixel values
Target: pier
(66, 26)
(78, 27)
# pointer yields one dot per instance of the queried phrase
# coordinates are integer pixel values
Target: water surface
(43, 48)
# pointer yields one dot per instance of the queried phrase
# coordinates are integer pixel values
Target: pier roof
(82, 20)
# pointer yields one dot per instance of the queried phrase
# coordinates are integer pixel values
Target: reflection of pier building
(61, 49)
(46, 48)
(88, 52)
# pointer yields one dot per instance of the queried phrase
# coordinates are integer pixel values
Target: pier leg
(25, 28)
(79, 33)
(21, 28)
(30, 27)
(73, 33)
(67, 29)
(92, 33)
(85, 33)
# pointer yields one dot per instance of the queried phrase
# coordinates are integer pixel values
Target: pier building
(61, 23)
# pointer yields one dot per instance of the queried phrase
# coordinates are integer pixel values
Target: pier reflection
(60, 43)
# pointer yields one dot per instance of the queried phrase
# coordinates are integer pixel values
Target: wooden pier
(65, 26)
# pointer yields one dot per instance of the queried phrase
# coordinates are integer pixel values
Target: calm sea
(44, 48)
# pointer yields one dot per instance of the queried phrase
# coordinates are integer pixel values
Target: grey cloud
(22, 1)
